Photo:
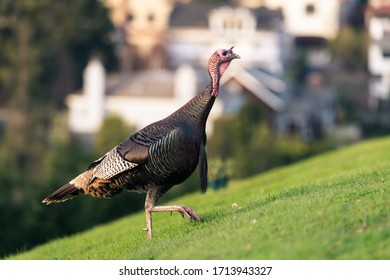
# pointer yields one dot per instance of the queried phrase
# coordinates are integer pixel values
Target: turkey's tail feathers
(83, 184)
(75, 187)
(66, 192)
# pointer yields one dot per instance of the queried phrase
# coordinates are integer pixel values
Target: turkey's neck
(198, 108)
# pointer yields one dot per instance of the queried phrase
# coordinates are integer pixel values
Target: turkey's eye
(224, 53)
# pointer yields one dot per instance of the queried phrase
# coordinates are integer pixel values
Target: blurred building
(305, 18)
(378, 25)
(148, 91)
(310, 110)
(164, 47)
(148, 30)
(142, 31)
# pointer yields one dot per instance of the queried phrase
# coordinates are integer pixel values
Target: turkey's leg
(148, 215)
(151, 198)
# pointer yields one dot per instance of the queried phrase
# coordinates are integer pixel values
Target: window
(151, 18)
(310, 9)
(232, 22)
(232, 25)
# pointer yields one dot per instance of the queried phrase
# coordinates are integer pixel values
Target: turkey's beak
(234, 54)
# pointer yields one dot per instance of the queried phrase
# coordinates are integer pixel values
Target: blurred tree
(299, 68)
(58, 39)
(248, 141)
(113, 131)
(84, 30)
(350, 48)
(220, 144)
(44, 47)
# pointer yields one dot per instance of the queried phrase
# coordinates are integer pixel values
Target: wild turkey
(159, 156)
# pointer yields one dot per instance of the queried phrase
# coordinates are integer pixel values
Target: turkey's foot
(182, 209)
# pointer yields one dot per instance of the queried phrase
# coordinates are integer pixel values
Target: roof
(152, 83)
(266, 18)
(196, 15)
(190, 15)
(263, 86)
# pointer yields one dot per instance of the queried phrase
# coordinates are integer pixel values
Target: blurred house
(164, 47)
(147, 30)
(378, 25)
(142, 32)
(305, 18)
(148, 91)
(310, 110)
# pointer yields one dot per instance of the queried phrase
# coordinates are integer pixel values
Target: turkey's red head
(218, 63)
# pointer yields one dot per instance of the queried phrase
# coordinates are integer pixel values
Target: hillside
(332, 206)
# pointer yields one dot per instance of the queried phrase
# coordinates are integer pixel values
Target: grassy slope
(333, 206)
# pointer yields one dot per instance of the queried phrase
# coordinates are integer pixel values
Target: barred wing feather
(111, 165)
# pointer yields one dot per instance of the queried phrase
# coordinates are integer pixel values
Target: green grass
(332, 206)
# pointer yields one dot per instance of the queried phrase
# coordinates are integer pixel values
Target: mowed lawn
(332, 206)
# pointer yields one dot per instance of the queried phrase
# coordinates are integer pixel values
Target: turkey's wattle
(157, 157)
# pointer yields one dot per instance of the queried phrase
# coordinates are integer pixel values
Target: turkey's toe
(191, 215)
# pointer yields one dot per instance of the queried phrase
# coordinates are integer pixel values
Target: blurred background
(78, 77)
